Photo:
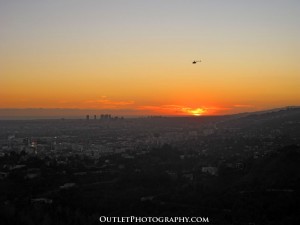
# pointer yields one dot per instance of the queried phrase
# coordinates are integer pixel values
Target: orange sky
(137, 58)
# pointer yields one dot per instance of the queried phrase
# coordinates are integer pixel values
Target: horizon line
(118, 114)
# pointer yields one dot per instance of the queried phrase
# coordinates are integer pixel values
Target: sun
(194, 112)
(197, 112)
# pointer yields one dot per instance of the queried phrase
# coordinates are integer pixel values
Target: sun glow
(195, 112)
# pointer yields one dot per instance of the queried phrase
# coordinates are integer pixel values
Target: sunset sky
(134, 57)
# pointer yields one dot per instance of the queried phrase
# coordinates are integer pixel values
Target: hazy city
(238, 169)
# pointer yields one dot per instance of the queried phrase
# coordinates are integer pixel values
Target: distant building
(42, 200)
(189, 176)
(16, 167)
(67, 185)
(31, 175)
(208, 132)
(210, 170)
(147, 198)
(105, 117)
(240, 165)
(173, 175)
(26, 141)
(87, 117)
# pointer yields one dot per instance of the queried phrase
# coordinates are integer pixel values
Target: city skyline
(135, 57)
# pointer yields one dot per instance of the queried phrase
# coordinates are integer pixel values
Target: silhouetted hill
(279, 171)
(269, 192)
(279, 118)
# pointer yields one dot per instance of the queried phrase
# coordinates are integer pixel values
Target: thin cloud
(243, 106)
(104, 102)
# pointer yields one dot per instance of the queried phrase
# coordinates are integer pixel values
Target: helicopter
(194, 62)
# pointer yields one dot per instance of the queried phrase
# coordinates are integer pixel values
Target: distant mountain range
(287, 108)
(276, 118)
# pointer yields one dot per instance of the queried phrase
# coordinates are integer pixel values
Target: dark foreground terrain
(241, 169)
